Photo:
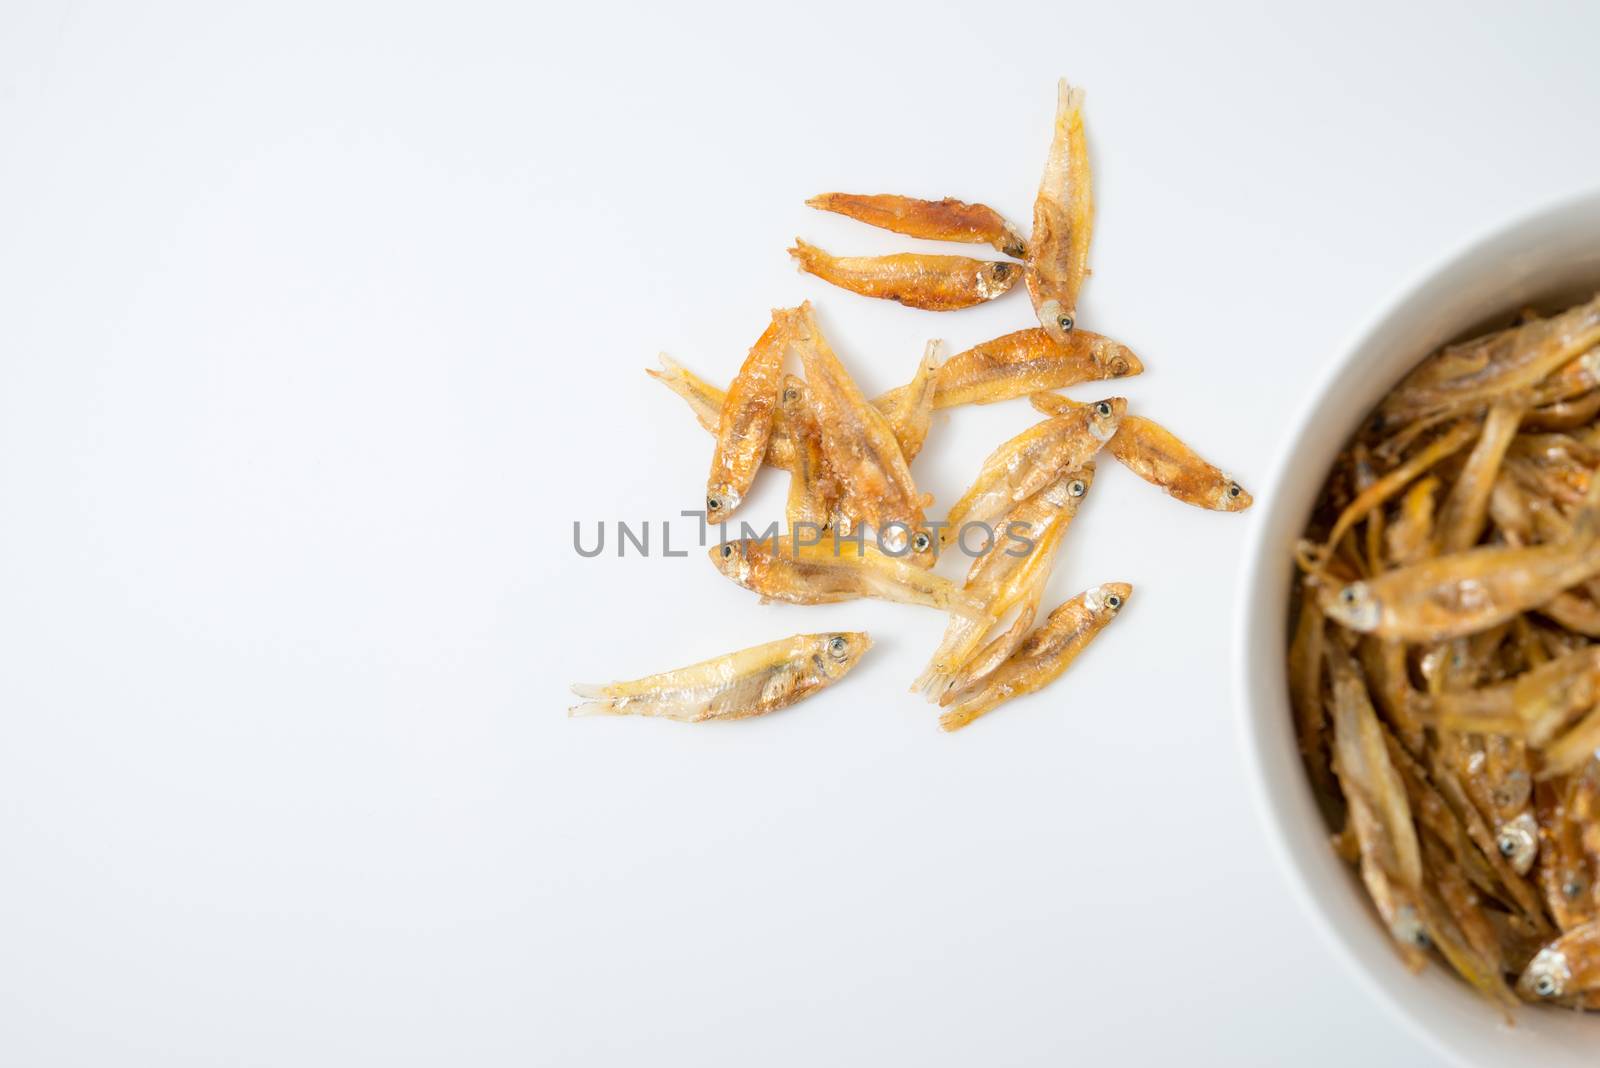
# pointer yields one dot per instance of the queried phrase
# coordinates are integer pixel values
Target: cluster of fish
(1443, 671)
(848, 460)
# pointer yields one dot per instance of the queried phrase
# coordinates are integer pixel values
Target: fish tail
(957, 718)
(599, 703)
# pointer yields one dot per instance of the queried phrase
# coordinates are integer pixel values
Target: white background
(321, 324)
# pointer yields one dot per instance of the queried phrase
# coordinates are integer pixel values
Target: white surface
(1546, 259)
(323, 322)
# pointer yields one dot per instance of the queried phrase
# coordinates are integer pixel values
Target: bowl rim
(1249, 713)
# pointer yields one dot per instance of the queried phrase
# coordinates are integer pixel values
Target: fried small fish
(706, 400)
(786, 568)
(909, 409)
(751, 682)
(1566, 968)
(1461, 519)
(1063, 220)
(1380, 811)
(932, 283)
(933, 220)
(861, 449)
(1448, 596)
(1043, 655)
(813, 491)
(1156, 455)
(744, 425)
(1478, 371)
(1032, 460)
(1015, 566)
(1028, 361)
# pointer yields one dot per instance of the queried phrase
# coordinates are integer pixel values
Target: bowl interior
(1549, 258)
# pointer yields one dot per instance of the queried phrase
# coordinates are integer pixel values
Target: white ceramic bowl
(1552, 255)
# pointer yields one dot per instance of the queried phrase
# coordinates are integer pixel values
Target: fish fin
(594, 708)
(591, 690)
(958, 718)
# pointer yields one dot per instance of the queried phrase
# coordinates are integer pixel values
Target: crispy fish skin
(706, 401)
(745, 424)
(751, 682)
(1028, 361)
(1032, 460)
(1043, 655)
(785, 568)
(932, 283)
(861, 449)
(1008, 574)
(935, 220)
(1449, 596)
(1063, 220)
(1156, 455)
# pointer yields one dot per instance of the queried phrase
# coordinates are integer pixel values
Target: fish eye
(921, 542)
(1001, 270)
(1572, 888)
(791, 394)
(1234, 489)
(1119, 366)
(1348, 596)
(1507, 845)
(1065, 323)
(727, 551)
(713, 503)
(1545, 986)
(1102, 409)
(1076, 488)
(837, 646)
(1113, 602)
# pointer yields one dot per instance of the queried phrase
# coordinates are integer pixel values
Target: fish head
(839, 652)
(735, 559)
(1546, 976)
(1232, 497)
(1057, 320)
(1518, 842)
(995, 278)
(1354, 606)
(794, 395)
(1108, 598)
(1114, 359)
(1105, 416)
(721, 500)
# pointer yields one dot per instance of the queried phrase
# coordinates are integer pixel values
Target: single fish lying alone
(862, 452)
(751, 682)
(1013, 571)
(745, 423)
(1028, 361)
(932, 283)
(706, 400)
(1565, 969)
(1032, 460)
(813, 491)
(1063, 220)
(933, 220)
(1479, 371)
(784, 568)
(1449, 596)
(1043, 655)
(1156, 455)
(909, 409)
